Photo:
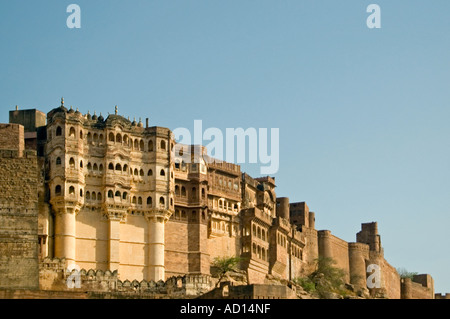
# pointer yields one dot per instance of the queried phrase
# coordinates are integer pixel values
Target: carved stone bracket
(115, 213)
(155, 215)
(65, 207)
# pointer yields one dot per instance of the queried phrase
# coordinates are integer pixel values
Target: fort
(111, 197)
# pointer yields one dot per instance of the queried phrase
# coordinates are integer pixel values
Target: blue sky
(363, 113)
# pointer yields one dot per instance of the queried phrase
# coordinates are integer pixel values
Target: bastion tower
(111, 189)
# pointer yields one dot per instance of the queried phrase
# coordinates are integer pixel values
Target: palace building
(116, 195)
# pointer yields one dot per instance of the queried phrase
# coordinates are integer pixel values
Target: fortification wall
(176, 248)
(311, 250)
(333, 247)
(18, 211)
(415, 290)
(391, 280)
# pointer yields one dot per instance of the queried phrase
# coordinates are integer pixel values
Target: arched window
(183, 191)
(150, 146)
(81, 134)
(194, 192)
(118, 138)
(111, 137)
(177, 190)
(88, 195)
(118, 167)
(183, 214)
(124, 195)
(134, 200)
(161, 200)
(110, 194)
(72, 132)
(125, 168)
(100, 168)
(149, 201)
(136, 172)
(58, 131)
(58, 190)
(99, 196)
(72, 163)
(163, 145)
(81, 164)
(58, 161)
(162, 173)
(100, 138)
(94, 196)
(95, 167)
(203, 216)
(81, 192)
(139, 200)
(111, 166)
(150, 172)
(203, 193)
(141, 145)
(89, 167)
(125, 139)
(71, 190)
(136, 144)
(117, 194)
(95, 137)
(141, 172)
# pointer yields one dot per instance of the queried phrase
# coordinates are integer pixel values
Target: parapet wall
(54, 277)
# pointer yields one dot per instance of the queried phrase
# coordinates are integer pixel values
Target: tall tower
(66, 181)
(109, 171)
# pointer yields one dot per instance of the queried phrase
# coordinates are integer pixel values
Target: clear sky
(363, 113)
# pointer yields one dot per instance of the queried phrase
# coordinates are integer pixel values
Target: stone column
(113, 242)
(65, 241)
(156, 244)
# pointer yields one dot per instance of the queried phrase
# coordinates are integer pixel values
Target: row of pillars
(65, 241)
